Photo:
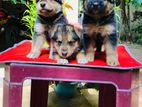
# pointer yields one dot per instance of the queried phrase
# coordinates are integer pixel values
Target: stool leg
(12, 95)
(39, 93)
(107, 95)
(128, 98)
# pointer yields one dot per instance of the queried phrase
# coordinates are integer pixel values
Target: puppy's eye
(59, 42)
(71, 43)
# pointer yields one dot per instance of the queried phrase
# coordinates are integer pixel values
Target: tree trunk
(125, 20)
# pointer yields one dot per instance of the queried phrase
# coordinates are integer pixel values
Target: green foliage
(140, 39)
(118, 10)
(80, 9)
(136, 3)
(30, 16)
(137, 31)
(18, 1)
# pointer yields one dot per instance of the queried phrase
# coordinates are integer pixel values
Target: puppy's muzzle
(64, 54)
(96, 4)
(42, 5)
(43, 8)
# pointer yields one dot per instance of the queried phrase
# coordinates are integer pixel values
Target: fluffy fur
(65, 44)
(99, 26)
(49, 13)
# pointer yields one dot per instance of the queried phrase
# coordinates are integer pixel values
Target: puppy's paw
(82, 61)
(112, 60)
(34, 54)
(90, 57)
(62, 61)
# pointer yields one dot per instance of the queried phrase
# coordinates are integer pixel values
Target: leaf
(64, 11)
(23, 1)
(127, 1)
(14, 1)
(66, 4)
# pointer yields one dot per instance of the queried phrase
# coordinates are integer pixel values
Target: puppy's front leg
(81, 59)
(52, 50)
(90, 53)
(111, 54)
(37, 44)
(88, 44)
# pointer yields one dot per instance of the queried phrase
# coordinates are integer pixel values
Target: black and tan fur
(49, 13)
(99, 26)
(65, 44)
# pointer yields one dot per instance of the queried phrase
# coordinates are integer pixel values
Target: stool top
(17, 54)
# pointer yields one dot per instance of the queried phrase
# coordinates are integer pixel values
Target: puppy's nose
(64, 54)
(42, 5)
(95, 4)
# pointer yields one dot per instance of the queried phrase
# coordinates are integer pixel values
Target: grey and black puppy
(66, 44)
(99, 26)
(49, 13)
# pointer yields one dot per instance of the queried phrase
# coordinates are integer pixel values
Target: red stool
(118, 88)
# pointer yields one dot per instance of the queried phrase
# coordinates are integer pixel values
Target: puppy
(99, 26)
(65, 44)
(49, 13)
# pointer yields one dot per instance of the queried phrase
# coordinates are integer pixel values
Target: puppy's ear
(59, 1)
(77, 27)
(53, 30)
(78, 31)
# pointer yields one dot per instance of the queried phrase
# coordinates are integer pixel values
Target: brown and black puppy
(99, 26)
(49, 13)
(65, 44)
